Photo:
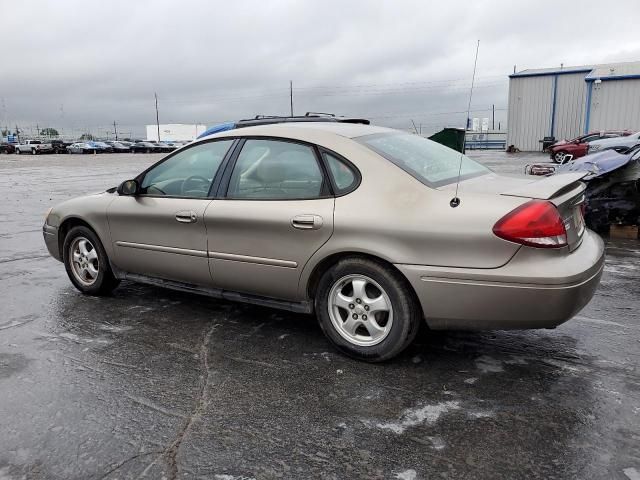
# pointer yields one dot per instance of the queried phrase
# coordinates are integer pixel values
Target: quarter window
(188, 173)
(275, 170)
(343, 176)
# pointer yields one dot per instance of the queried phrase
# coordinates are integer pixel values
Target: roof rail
(308, 117)
(319, 114)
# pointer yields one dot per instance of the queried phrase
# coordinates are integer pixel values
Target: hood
(596, 164)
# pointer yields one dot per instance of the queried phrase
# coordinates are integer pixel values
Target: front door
(276, 214)
(161, 232)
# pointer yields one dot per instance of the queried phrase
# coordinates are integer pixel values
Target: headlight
(46, 215)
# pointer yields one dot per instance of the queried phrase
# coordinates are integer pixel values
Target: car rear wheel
(87, 263)
(367, 309)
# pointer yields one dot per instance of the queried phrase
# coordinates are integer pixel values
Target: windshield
(429, 162)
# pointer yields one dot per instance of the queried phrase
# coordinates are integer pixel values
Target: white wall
(174, 131)
(529, 117)
(615, 105)
(570, 106)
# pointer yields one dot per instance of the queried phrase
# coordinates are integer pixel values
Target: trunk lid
(546, 188)
(565, 191)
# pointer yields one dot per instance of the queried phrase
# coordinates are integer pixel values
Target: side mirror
(129, 187)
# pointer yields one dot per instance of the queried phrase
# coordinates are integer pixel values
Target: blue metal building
(569, 101)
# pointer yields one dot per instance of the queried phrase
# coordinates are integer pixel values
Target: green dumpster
(450, 137)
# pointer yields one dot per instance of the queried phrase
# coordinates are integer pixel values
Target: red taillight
(536, 223)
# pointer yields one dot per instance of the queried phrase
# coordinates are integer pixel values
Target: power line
(429, 114)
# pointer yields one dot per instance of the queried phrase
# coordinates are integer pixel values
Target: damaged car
(613, 186)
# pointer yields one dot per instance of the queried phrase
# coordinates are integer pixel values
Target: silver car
(359, 224)
(625, 141)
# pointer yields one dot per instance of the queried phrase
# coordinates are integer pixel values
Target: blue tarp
(223, 127)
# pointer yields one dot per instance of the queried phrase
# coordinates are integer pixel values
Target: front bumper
(535, 289)
(50, 235)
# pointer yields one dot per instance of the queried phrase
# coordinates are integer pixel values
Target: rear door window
(276, 170)
(344, 178)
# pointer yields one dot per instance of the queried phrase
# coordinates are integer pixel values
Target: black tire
(17, 151)
(407, 313)
(105, 281)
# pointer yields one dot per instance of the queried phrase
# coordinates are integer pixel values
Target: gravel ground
(152, 383)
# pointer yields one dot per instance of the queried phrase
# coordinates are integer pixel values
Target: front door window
(189, 173)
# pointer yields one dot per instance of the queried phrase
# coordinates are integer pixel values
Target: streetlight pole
(157, 117)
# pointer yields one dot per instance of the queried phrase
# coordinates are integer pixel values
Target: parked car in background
(6, 147)
(165, 147)
(59, 146)
(102, 147)
(145, 147)
(617, 143)
(352, 222)
(118, 147)
(34, 147)
(579, 146)
(81, 147)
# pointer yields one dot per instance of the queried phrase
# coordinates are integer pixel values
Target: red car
(579, 146)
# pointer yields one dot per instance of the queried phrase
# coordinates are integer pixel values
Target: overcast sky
(78, 65)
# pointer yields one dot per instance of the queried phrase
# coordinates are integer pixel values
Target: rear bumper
(536, 289)
(50, 235)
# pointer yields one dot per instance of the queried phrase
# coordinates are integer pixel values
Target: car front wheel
(559, 156)
(367, 309)
(87, 263)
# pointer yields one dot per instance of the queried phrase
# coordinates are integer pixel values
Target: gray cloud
(79, 64)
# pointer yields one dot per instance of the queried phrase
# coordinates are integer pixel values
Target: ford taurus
(367, 227)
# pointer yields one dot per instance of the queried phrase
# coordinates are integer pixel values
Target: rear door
(161, 232)
(276, 211)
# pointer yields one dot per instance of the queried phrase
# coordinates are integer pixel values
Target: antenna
(455, 201)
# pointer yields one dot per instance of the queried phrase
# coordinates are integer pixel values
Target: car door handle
(186, 217)
(307, 222)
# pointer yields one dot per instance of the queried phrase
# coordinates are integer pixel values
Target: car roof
(300, 130)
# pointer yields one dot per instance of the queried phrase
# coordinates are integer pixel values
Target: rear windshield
(429, 162)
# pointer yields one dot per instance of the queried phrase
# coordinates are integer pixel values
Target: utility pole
(157, 117)
(115, 130)
(493, 122)
(291, 96)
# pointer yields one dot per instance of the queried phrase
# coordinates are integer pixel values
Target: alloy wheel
(84, 261)
(360, 310)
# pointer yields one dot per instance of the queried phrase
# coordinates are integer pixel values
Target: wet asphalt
(150, 383)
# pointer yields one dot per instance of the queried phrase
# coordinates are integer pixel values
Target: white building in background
(174, 132)
(571, 101)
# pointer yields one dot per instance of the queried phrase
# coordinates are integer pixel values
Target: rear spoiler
(546, 187)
